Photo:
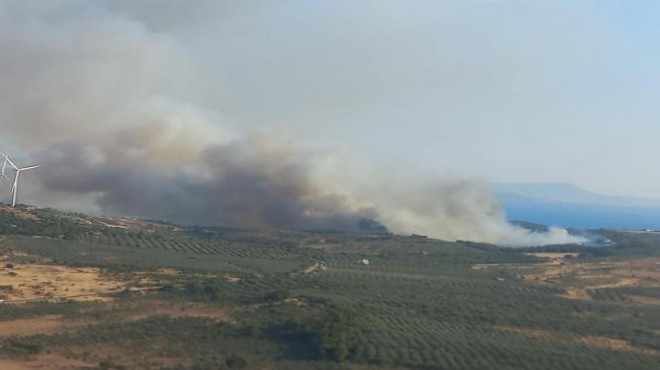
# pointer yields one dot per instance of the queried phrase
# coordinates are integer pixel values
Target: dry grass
(46, 361)
(578, 277)
(169, 271)
(577, 293)
(590, 340)
(178, 310)
(555, 258)
(25, 282)
(135, 224)
(139, 355)
(132, 355)
(18, 213)
(375, 367)
(644, 300)
(484, 266)
(48, 324)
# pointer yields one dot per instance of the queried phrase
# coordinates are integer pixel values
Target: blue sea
(587, 216)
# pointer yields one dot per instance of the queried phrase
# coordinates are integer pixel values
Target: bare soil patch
(169, 271)
(555, 258)
(592, 341)
(27, 282)
(46, 361)
(644, 300)
(577, 293)
(181, 309)
(578, 276)
(43, 325)
(130, 354)
(18, 213)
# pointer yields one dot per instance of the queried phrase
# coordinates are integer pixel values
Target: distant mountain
(563, 192)
(568, 205)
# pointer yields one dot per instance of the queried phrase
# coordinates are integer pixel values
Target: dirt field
(135, 356)
(43, 325)
(179, 309)
(579, 277)
(45, 362)
(592, 341)
(582, 277)
(644, 300)
(555, 258)
(21, 283)
(18, 213)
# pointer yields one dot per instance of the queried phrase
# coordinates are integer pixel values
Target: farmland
(89, 293)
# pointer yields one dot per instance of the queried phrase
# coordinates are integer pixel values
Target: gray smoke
(111, 109)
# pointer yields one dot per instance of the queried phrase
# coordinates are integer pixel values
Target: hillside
(85, 292)
(562, 192)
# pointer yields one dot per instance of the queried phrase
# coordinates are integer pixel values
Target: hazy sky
(521, 91)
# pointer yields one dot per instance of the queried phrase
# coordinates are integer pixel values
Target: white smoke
(110, 107)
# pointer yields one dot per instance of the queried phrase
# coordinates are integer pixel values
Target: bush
(276, 296)
(332, 335)
(109, 364)
(235, 361)
(337, 334)
(31, 348)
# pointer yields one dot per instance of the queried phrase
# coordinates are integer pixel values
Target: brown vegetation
(27, 282)
(16, 212)
(579, 277)
(591, 341)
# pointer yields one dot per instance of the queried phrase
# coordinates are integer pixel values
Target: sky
(512, 91)
(508, 91)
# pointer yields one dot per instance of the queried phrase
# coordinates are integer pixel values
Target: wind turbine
(4, 166)
(14, 189)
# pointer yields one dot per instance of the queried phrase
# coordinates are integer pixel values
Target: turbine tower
(17, 174)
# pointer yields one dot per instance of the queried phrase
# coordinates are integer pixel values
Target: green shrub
(235, 361)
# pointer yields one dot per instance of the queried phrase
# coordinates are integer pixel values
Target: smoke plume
(111, 109)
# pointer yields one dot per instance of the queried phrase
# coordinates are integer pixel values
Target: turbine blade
(29, 168)
(11, 163)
